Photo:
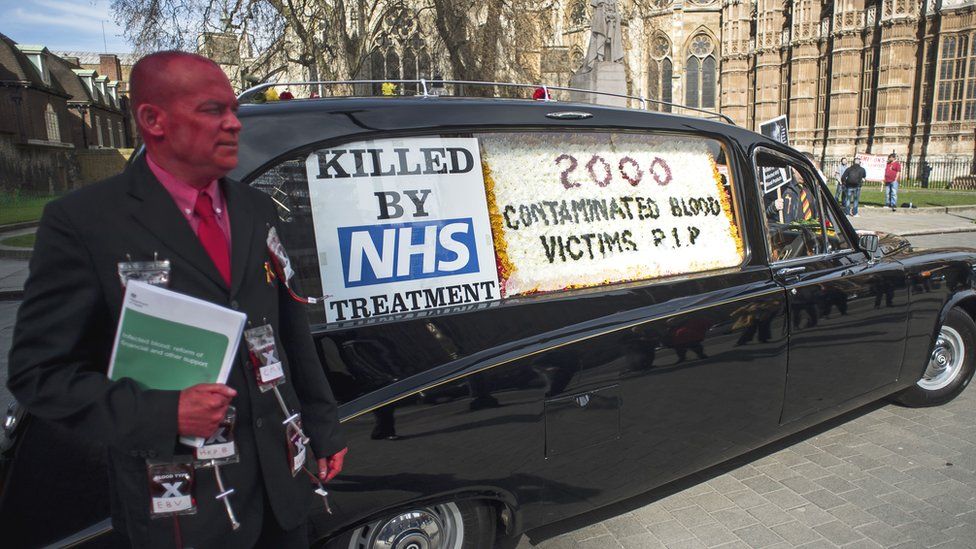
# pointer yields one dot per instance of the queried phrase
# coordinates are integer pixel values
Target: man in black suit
(173, 203)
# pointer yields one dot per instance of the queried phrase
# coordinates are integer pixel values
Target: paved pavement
(13, 273)
(912, 222)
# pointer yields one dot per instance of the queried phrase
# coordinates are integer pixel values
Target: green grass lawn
(872, 196)
(17, 209)
(19, 241)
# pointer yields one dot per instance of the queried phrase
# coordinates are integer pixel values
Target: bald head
(158, 76)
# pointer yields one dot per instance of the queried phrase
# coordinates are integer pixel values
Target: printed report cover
(167, 340)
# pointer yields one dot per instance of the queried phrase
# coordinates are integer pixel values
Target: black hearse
(531, 309)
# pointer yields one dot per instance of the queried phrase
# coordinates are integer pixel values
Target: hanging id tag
(170, 489)
(296, 447)
(153, 272)
(264, 357)
(220, 447)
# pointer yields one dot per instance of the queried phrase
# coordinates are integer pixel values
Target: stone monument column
(602, 68)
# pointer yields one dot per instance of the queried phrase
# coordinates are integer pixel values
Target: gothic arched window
(700, 73)
(660, 72)
(400, 53)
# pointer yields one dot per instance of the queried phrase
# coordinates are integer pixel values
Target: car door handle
(787, 271)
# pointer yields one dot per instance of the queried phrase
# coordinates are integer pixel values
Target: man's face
(200, 121)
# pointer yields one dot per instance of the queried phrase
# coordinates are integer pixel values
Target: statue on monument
(603, 69)
(606, 42)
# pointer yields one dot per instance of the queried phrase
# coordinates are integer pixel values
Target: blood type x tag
(264, 357)
(171, 489)
(296, 448)
(219, 448)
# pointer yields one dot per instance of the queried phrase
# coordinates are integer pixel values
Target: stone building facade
(851, 75)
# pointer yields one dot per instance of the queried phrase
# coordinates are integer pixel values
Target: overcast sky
(74, 25)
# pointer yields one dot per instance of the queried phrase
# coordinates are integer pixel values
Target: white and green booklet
(167, 340)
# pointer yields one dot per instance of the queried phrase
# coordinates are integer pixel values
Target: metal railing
(436, 88)
(925, 174)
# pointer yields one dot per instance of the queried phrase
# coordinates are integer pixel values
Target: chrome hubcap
(437, 527)
(946, 361)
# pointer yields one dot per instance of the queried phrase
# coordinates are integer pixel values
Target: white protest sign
(578, 210)
(401, 226)
(874, 166)
(777, 130)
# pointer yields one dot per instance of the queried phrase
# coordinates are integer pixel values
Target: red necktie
(210, 235)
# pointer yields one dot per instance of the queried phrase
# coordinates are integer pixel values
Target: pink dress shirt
(185, 197)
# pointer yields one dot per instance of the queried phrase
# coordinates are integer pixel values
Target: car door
(847, 311)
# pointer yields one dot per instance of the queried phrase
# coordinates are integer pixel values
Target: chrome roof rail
(426, 85)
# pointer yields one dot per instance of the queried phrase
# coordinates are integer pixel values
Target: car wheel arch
(502, 503)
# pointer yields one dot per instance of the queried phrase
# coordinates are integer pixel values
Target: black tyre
(455, 525)
(950, 367)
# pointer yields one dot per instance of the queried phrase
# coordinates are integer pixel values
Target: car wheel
(455, 525)
(950, 367)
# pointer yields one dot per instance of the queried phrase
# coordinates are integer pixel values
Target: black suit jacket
(65, 329)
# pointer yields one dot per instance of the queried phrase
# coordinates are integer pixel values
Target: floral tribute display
(579, 210)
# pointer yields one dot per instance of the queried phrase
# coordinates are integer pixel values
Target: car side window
(794, 220)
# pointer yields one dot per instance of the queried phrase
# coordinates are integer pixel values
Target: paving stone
(863, 543)
(837, 532)
(835, 484)
(810, 470)
(746, 499)
(757, 536)
(713, 501)
(693, 543)
(852, 515)
(890, 514)
(761, 484)
(734, 518)
(738, 544)
(924, 534)
(770, 515)
(670, 531)
(825, 499)
(811, 515)
(784, 498)
(882, 533)
(819, 544)
(796, 533)
(801, 485)
(692, 516)
(904, 501)
(714, 534)
(862, 498)
(641, 541)
(601, 542)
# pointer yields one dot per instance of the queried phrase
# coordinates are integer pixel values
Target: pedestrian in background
(853, 178)
(892, 172)
(839, 193)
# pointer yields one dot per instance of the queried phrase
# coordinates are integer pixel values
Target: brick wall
(98, 164)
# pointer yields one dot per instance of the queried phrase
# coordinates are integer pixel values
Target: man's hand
(331, 466)
(202, 407)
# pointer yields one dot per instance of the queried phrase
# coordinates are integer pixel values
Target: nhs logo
(378, 254)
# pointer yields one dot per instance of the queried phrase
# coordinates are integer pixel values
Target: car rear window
(428, 224)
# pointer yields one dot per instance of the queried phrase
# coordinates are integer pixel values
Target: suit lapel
(155, 210)
(242, 227)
